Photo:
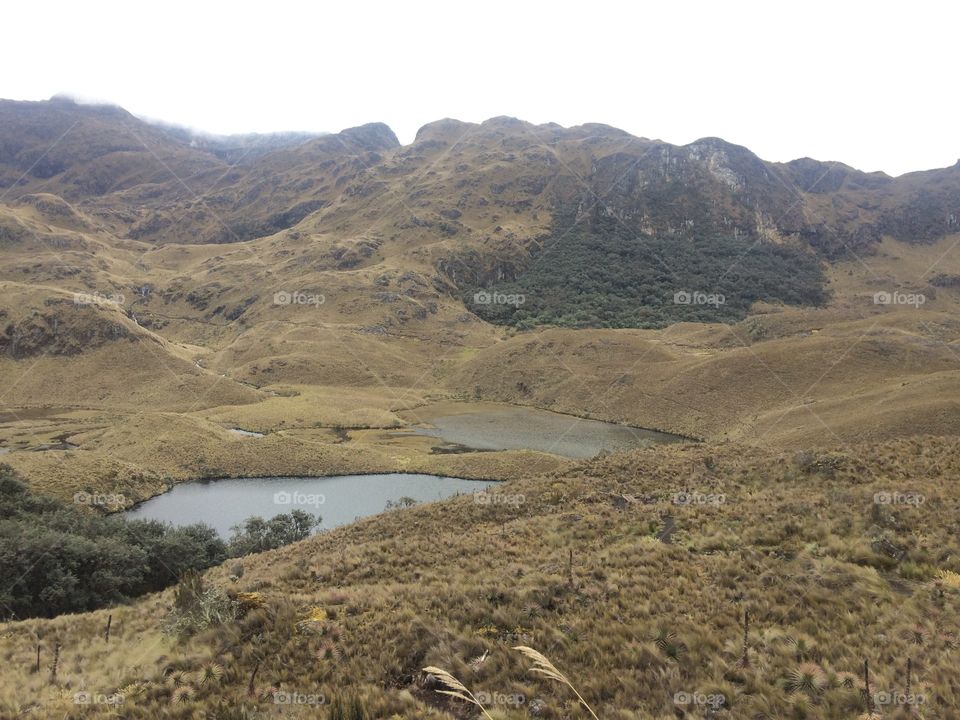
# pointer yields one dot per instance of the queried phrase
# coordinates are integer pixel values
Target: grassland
(146, 410)
(631, 573)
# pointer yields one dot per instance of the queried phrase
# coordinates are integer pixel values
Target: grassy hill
(632, 574)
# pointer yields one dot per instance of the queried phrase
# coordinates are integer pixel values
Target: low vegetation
(679, 581)
(607, 276)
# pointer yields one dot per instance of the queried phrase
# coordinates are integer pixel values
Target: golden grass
(642, 628)
(546, 668)
(456, 688)
(311, 406)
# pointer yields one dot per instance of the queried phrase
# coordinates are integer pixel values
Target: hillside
(632, 574)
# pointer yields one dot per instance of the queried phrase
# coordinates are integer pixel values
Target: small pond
(494, 426)
(339, 499)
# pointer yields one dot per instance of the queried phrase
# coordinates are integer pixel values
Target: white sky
(868, 83)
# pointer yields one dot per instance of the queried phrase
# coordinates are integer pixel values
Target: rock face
(61, 329)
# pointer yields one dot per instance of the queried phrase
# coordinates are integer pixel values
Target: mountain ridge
(709, 184)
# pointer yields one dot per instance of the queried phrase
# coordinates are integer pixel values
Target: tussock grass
(632, 622)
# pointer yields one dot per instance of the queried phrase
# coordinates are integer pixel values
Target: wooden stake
(253, 675)
(56, 664)
(745, 657)
(909, 685)
(106, 633)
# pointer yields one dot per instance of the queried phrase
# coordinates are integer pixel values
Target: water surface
(338, 500)
(493, 426)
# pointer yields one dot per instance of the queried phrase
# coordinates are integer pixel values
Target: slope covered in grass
(632, 574)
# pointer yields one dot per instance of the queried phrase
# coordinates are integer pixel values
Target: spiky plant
(667, 642)
(916, 635)
(178, 678)
(544, 667)
(209, 674)
(330, 650)
(803, 646)
(182, 694)
(847, 680)
(267, 692)
(808, 678)
(456, 688)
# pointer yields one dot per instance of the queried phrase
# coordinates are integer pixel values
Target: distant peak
(504, 121)
(445, 130)
(374, 136)
(717, 143)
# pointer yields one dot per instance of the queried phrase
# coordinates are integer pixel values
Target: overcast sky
(870, 84)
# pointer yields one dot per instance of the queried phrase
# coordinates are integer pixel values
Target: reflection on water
(338, 500)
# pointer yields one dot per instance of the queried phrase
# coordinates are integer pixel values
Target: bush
(602, 275)
(197, 607)
(63, 559)
(256, 534)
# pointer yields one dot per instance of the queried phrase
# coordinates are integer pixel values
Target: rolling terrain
(329, 283)
(631, 573)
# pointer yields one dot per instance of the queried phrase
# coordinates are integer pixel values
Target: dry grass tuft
(456, 688)
(546, 668)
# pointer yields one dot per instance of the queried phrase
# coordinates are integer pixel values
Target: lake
(495, 426)
(339, 500)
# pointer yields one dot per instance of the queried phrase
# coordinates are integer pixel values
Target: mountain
(86, 151)
(103, 157)
(694, 289)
